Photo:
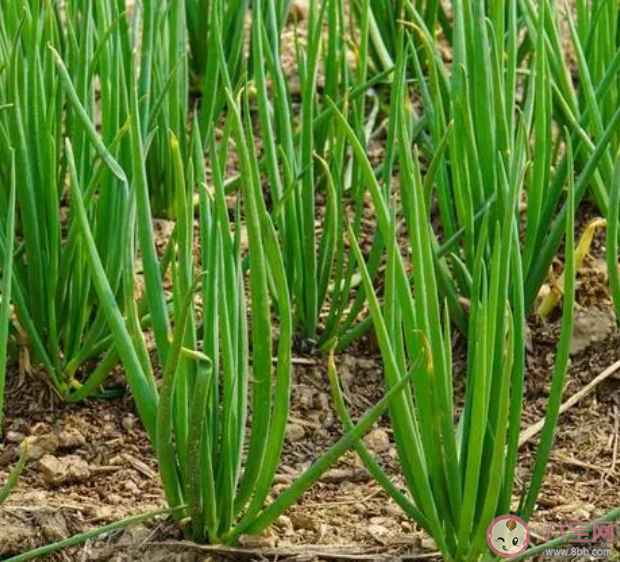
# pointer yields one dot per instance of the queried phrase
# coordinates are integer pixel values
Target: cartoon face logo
(508, 536)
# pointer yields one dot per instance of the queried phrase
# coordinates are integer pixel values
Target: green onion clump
(492, 110)
(198, 418)
(296, 161)
(458, 478)
(48, 61)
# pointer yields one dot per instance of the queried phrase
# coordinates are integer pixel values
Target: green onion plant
(511, 64)
(589, 110)
(308, 164)
(459, 476)
(49, 67)
(216, 33)
(164, 94)
(198, 417)
(492, 114)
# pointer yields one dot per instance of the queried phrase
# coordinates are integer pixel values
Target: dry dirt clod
(266, 540)
(284, 523)
(324, 402)
(592, 325)
(57, 471)
(132, 487)
(114, 499)
(53, 526)
(378, 441)
(346, 475)
(15, 437)
(295, 433)
(41, 445)
(378, 532)
(139, 465)
(385, 521)
(71, 439)
(17, 535)
(305, 396)
(391, 511)
(303, 521)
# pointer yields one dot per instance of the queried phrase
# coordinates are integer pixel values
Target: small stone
(41, 445)
(128, 423)
(132, 487)
(303, 521)
(295, 433)
(57, 471)
(377, 441)
(71, 439)
(392, 511)
(377, 531)
(384, 521)
(15, 437)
